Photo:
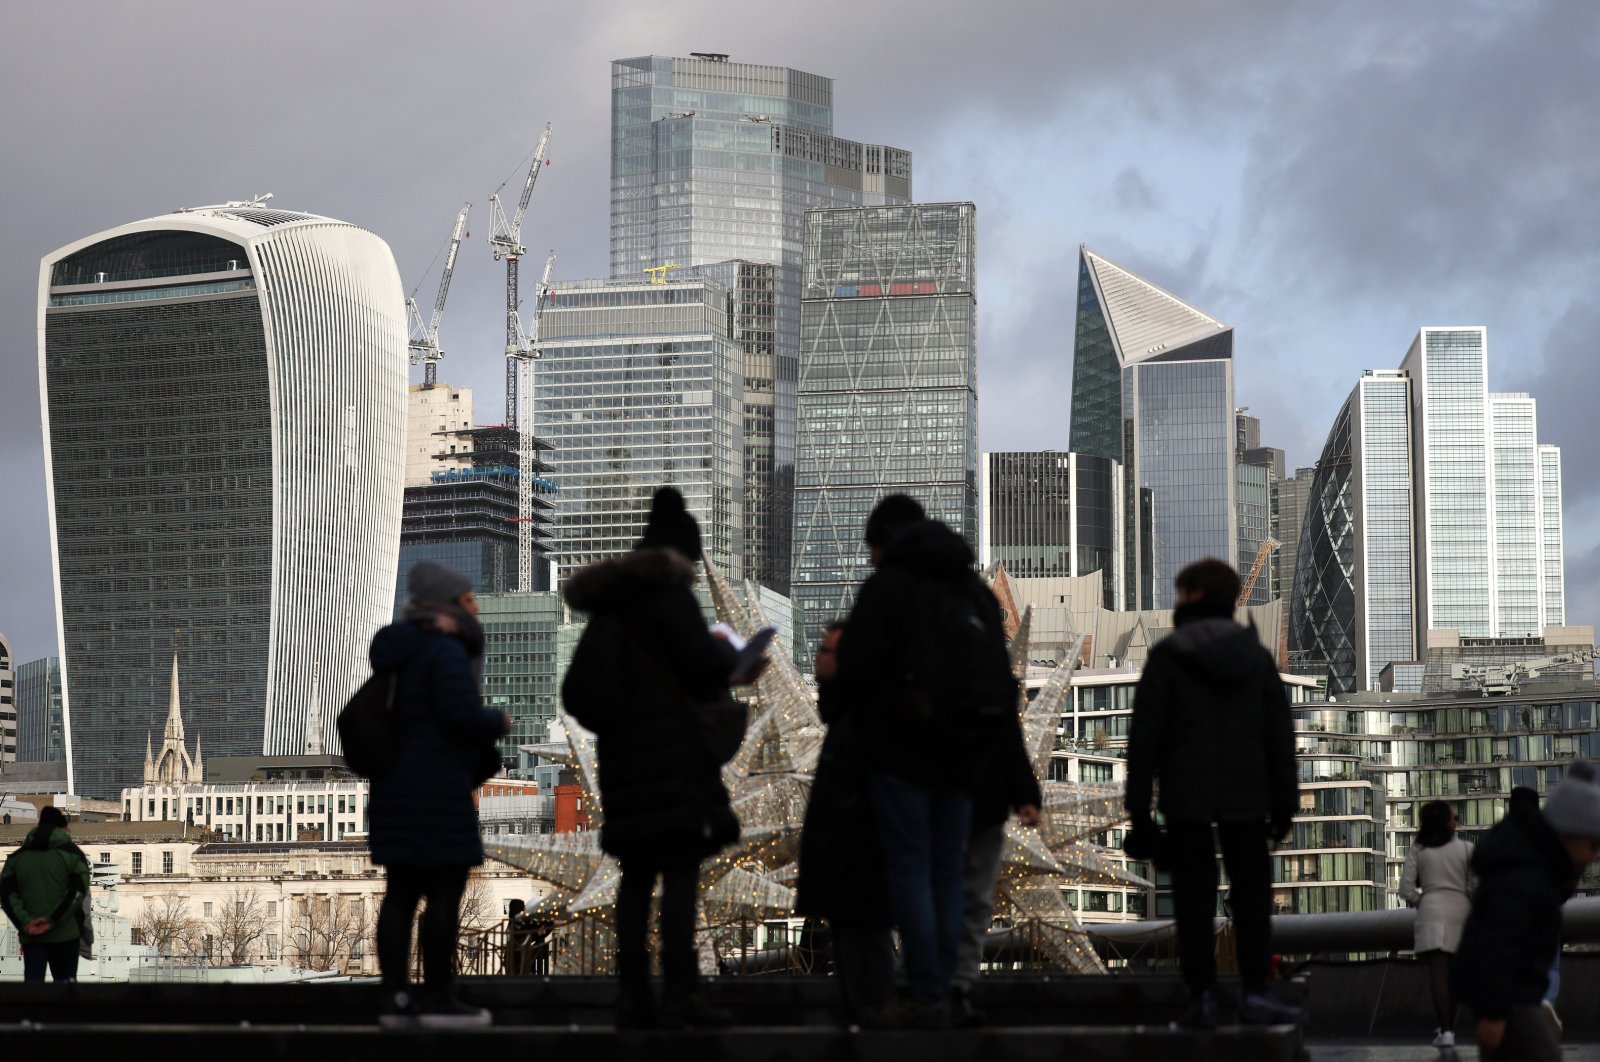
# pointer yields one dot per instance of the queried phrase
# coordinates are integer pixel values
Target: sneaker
(908, 1013)
(1200, 1013)
(1258, 1008)
(1444, 1038)
(451, 1012)
(1550, 1009)
(964, 1014)
(399, 1010)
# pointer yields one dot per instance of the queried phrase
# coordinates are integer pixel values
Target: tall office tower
(640, 387)
(1288, 512)
(224, 404)
(1152, 388)
(1518, 573)
(1552, 550)
(888, 387)
(40, 735)
(1449, 369)
(714, 161)
(8, 703)
(519, 665)
(1257, 471)
(1353, 608)
(1048, 514)
(462, 511)
(1482, 518)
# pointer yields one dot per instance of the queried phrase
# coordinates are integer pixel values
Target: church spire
(174, 731)
(314, 745)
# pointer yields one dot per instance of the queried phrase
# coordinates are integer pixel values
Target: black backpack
(960, 676)
(366, 726)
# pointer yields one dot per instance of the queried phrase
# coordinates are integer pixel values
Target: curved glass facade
(1323, 611)
(217, 461)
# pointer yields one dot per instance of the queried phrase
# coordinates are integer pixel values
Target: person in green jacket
(41, 891)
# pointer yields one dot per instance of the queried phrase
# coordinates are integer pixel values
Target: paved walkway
(1359, 1052)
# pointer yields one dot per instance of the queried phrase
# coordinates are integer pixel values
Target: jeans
(1193, 856)
(680, 892)
(61, 957)
(924, 835)
(443, 887)
(982, 871)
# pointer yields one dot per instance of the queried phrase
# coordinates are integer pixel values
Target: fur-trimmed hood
(605, 585)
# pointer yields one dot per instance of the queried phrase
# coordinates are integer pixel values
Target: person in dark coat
(1527, 867)
(1211, 722)
(923, 672)
(1004, 782)
(41, 890)
(424, 825)
(645, 657)
(841, 858)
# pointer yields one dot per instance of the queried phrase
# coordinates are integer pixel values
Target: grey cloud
(1133, 192)
(1567, 387)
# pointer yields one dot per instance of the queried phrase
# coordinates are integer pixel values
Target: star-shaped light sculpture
(769, 782)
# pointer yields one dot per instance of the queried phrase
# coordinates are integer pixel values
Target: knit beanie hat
(1573, 806)
(435, 582)
(671, 526)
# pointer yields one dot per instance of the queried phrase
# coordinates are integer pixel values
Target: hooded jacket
(1524, 877)
(46, 878)
(644, 657)
(878, 653)
(1211, 721)
(422, 812)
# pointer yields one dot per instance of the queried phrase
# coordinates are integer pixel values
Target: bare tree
(169, 926)
(326, 931)
(236, 931)
(478, 908)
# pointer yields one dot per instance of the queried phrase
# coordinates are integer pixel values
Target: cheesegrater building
(223, 391)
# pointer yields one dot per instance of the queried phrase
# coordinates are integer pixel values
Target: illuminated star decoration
(769, 782)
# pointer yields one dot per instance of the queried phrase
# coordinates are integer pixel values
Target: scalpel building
(223, 392)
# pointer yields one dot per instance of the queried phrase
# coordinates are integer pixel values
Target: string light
(769, 783)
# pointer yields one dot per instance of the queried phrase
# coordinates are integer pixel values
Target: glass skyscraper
(1047, 514)
(1152, 388)
(1518, 574)
(640, 387)
(1352, 609)
(713, 161)
(1552, 550)
(888, 396)
(224, 418)
(40, 735)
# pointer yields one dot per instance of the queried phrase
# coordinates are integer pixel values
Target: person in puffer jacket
(1527, 867)
(41, 890)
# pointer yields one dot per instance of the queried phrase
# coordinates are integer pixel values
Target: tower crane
(505, 240)
(424, 341)
(1268, 544)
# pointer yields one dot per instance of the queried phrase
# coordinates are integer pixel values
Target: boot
(636, 1003)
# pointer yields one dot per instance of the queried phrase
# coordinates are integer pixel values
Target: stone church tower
(173, 765)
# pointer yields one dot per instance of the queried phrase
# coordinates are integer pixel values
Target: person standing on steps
(41, 890)
(424, 826)
(1211, 723)
(926, 680)
(645, 659)
(1437, 880)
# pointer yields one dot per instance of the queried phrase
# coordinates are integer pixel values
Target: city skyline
(1253, 173)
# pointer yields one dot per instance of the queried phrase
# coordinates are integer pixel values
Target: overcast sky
(1325, 177)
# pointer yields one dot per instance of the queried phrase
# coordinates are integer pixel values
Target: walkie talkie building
(223, 392)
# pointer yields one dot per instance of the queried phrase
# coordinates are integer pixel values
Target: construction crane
(505, 240)
(424, 342)
(1499, 680)
(1268, 544)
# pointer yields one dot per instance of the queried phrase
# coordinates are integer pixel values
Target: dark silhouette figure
(424, 824)
(1211, 723)
(645, 659)
(41, 890)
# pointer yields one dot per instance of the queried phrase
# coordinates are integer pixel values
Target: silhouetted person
(1437, 880)
(1527, 867)
(1211, 724)
(645, 659)
(41, 890)
(841, 858)
(424, 823)
(924, 674)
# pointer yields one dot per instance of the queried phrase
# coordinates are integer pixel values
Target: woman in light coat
(1438, 881)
